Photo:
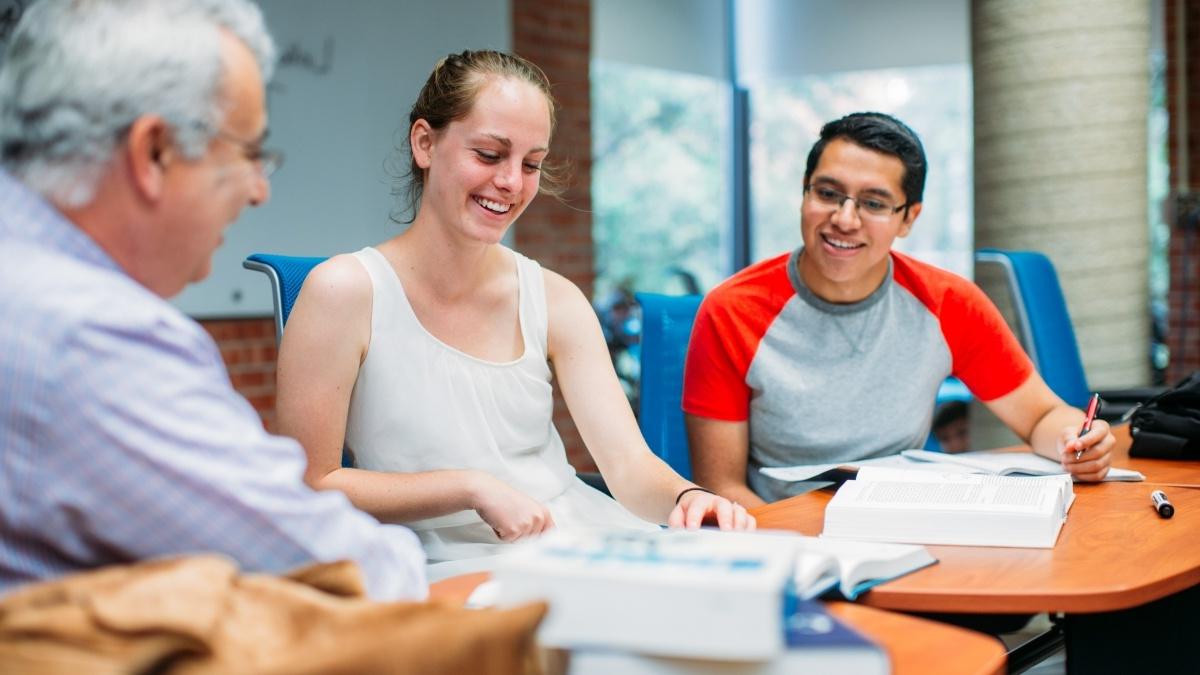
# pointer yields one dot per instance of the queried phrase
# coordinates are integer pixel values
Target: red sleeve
(729, 326)
(985, 354)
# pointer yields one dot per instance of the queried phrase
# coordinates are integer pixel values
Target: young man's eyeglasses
(868, 206)
(268, 161)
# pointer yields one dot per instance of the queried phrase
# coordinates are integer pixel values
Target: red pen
(1093, 409)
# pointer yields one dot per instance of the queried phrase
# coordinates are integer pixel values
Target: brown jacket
(198, 615)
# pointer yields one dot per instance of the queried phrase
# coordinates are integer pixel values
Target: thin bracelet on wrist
(691, 489)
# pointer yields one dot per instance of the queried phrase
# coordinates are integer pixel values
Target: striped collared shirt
(122, 439)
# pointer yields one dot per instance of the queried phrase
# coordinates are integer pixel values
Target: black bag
(1168, 425)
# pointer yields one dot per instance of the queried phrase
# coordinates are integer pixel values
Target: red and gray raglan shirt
(822, 382)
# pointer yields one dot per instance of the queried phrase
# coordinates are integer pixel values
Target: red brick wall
(558, 234)
(248, 347)
(1184, 301)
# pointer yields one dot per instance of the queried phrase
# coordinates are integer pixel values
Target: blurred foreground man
(130, 137)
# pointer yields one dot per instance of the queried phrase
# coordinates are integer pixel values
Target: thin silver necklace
(838, 319)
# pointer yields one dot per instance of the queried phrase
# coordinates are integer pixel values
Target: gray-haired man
(130, 138)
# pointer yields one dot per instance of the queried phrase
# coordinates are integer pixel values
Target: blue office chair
(287, 274)
(1046, 332)
(1044, 324)
(666, 328)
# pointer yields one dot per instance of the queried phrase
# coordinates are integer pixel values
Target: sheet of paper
(795, 473)
(807, 471)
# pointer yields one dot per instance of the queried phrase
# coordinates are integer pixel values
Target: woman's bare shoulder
(339, 281)
(561, 292)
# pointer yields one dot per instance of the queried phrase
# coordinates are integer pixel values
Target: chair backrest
(1044, 326)
(666, 328)
(287, 274)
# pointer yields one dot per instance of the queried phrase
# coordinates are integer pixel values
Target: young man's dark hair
(881, 133)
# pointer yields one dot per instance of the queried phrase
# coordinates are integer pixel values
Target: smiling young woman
(429, 356)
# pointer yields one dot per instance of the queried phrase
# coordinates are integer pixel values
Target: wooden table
(914, 646)
(1119, 573)
(1166, 473)
(1111, 525)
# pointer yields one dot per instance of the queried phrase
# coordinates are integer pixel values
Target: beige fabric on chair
(198, 615)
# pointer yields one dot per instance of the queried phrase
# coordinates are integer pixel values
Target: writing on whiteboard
(300, 57)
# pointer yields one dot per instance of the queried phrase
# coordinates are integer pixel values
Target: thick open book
(923, 507)
(816, 642)
(694, 594)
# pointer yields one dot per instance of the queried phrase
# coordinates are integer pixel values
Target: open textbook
(694, 594)
(852, 567)
(985, 461)
(922, 507)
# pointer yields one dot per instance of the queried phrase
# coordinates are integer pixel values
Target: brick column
(557, 37)
(1183, 336)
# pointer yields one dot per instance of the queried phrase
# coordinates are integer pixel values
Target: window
(1158, 192)
(659, 189)
(659, 194)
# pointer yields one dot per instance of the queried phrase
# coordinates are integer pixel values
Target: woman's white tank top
(421, 405)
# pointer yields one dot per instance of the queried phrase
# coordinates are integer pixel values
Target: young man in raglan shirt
(835, 351)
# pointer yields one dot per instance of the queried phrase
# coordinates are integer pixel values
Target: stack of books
(697, 601)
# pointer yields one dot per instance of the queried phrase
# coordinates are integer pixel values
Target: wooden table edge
(924, 646)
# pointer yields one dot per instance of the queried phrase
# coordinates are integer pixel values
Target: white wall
(683, 35)
(782, 38)
(790, 38)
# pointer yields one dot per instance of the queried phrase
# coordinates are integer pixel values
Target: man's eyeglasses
(268, 161)
(868, 206)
